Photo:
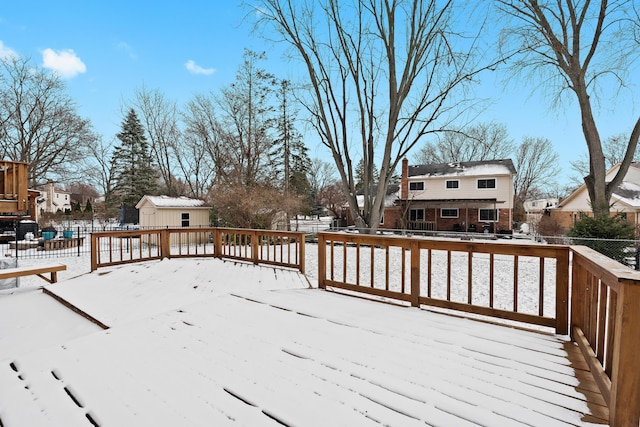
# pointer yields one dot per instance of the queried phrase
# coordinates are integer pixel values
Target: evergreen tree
(88, 207)
(289, 153)
(135, 174)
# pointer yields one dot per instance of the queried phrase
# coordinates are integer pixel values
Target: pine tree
(135, 174)
(289, 153)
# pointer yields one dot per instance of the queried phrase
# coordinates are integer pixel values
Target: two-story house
(53, 199)
(462, 196)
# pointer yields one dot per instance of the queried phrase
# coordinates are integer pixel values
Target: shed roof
(167, 202)
(475, 168)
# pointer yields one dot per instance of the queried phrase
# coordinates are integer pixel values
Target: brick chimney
(404, 183)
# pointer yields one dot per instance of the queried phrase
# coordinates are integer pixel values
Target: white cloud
(196, 69)
(7, 52)
(64, 62)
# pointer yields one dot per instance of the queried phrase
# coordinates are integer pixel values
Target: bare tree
(614, 149)
(321, 175)
(577, 44)
(203, 155)
(38, 121)
(484, 141)
(159, 116)
(381, 74)
(537, 164)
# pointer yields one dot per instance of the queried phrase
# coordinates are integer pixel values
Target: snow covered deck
(209, 342)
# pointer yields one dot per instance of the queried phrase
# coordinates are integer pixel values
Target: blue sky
(105, 50)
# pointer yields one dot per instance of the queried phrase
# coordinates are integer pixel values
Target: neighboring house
(461, 196)
(625, 201)
(539, 206)
(391, 214)
(53, 200)
(165, 211)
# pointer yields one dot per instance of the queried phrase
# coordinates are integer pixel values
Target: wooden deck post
(562, 292)
(217, 242)
(322, 261)
(302, 253)
(94, 252)
(624, 409)
(254, 246)
(165, 243)
(415, 273)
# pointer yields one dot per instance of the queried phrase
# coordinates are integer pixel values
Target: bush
(608, 235)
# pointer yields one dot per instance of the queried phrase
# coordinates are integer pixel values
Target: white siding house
(461, 196)
(164, 211)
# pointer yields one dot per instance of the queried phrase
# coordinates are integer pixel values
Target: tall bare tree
(577, 44)
(483, 141)
(382, 74)
(537, 164)
(39, 123)
(202, 156)
(159, 116)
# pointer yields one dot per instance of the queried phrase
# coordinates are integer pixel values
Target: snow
(174, 202)
(477, 170)
(212, 342)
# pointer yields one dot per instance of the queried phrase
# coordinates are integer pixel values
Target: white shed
(165, 211)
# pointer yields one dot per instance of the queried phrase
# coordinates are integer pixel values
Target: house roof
(172, 202)
(475, 168)
(627, 192)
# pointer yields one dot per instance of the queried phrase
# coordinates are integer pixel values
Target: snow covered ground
(212, 342)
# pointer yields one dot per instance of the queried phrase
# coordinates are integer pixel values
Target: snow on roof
(172, 202)
(476, 168)
(628, 193)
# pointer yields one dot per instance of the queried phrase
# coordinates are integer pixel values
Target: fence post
(302, 253)
(415, 273)
(79, 240)
(254, 246)
(165, 243)
(94, 252)
(217, 242)
(562, 291)
(624, 408)
(322, 261)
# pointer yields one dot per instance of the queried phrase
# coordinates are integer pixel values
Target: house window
(416, 186)
(489, 215)
(416, 215)
(487, 183)
(453, 184)
(449, 213)
(382, 219)
(185, 219)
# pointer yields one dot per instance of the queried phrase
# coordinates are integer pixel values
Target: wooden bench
(10, 273)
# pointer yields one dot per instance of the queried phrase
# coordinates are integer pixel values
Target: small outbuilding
(165, 211)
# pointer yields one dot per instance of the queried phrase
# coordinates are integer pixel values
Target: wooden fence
(605, 322)
(605, 295)
(280, 248)
(456, 280)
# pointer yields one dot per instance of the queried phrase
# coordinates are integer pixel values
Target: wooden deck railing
(280, 248)
(476, 277)
(605, 322)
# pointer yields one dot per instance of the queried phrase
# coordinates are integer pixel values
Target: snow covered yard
(211, 342)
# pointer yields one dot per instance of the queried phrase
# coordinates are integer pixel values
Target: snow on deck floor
(252, 356)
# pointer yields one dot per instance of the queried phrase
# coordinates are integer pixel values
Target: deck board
(296, 357)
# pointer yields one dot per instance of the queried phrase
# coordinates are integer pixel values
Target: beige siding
(435, 189)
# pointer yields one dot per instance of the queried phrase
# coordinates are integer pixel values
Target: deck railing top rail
(279, 248)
